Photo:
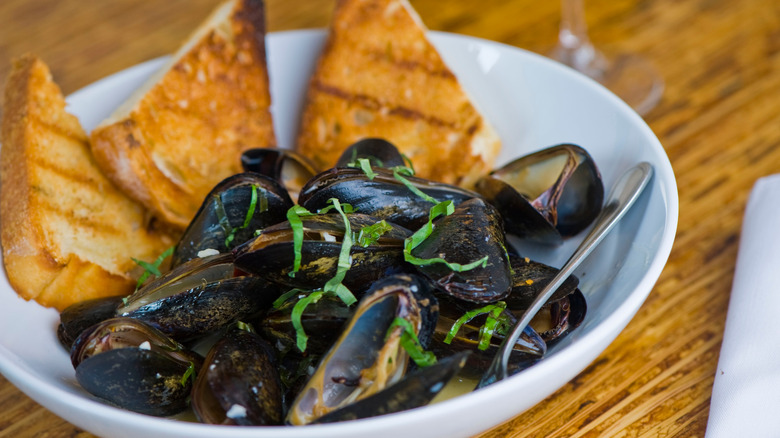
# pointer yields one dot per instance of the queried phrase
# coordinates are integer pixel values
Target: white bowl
(534, 103)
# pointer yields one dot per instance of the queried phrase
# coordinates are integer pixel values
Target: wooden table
(719, 122)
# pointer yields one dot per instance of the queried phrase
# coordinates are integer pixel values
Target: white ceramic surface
(534, 103)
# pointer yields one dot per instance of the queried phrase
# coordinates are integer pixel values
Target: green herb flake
(231, 234)
(294, 215)
(365, 166)
(344, 262)
(494, 318)
(397, 174)
(370, 234)
(241, 325)
(150, 268)
(301, 339)
(189, 374)
(411, 343)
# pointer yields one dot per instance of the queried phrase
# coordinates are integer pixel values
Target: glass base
(630, 77)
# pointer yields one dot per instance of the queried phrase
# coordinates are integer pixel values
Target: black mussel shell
(138, 380)
(322, 321)
(221, 222)
(555, 320)
(473, 231)
(529, 349)
(199, 297)
(133, 366)
(239, 383)
(528, 280)
(556, 192)
(384, 196)
(379, 153)
(78, 317)
(289, 168)
(271, 254)
(368, 356)
(416, 389)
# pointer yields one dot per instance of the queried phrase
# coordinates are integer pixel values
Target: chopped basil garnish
(370, 234)
(301, 339)
(231, 232)
(241, 325)
(420, 235)
(189, 374)
(344, 262)
(294, 215)
(411, 343)
(494, 317)
(151, 268)
(398, 170)
(365, 165)
(408, 162)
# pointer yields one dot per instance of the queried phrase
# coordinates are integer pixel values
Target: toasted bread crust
(379, 76)
(188, 131)
(67, 232)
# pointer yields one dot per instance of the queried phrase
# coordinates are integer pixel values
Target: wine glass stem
(574, 46)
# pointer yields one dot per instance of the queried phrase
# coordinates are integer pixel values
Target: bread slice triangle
(68, 234)
(184, 130)
(379, 76)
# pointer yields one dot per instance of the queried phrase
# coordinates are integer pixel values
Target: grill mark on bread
(79, 221)
(373, 104)
(411, 65)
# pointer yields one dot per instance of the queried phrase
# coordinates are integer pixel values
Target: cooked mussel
(472, 232)
(449, 338)
(379, 153)
(288, 168)
(368, 356)
(547, 195)
(416, 389)
(239, 383)
(271, 255)
(78, 317)
(562, 312)
(134, 366)
(321, 320)
(529, 277)
(199, 297)
(384, 195)
(231, 214)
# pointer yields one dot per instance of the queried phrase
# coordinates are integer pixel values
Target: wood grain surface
(719, 121)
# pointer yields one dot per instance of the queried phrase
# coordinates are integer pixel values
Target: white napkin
(746, 394)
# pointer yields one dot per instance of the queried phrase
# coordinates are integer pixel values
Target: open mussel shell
(199, 297)
(473, 231)
(384, 196)
(548, 194)
(239, 383)
(133, 366)
(79, 316)
(556, 319)
(231, 214)
(416, 389)
(322, 321)
(529, 348)
(368, 356)
(271, 255)
(288, 168)
(529, 278)
(379, 153)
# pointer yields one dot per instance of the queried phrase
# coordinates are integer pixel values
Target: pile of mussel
(297, 296)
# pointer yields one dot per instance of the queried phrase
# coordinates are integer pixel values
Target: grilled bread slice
(379, 76)
(68, 234)
(184, 130)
